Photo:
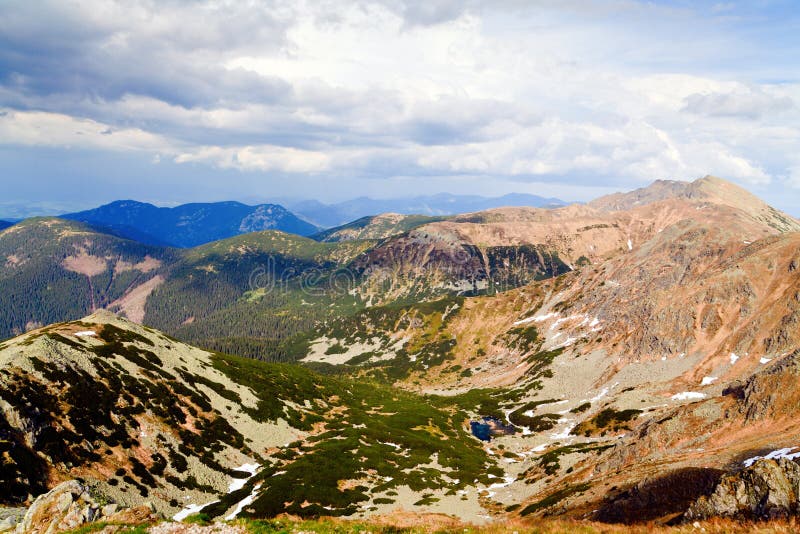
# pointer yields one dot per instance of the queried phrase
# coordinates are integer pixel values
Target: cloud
(169, 50)
(259, 158)
(57, 130)
(517, 92)
(750, 104)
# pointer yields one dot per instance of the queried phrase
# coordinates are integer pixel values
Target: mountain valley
(631, 360)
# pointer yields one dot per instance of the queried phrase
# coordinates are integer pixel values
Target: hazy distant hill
(329, 215)
(190, 225)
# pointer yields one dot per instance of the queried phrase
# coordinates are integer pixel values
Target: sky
(173, 101)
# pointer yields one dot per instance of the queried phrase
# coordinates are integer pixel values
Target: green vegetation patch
(523, 338)
(374, 440)
(555, 498)
(609, 419)
(550, 461)
(541, 362)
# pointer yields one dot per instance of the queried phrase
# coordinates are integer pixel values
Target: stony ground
(9, 517)
(443, 525)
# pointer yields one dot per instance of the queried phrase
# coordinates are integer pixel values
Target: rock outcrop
(766, 490)
(70, 505)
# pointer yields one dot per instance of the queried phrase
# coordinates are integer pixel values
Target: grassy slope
(373, 436)
(249, 293)
(440, 524)
(379, 437)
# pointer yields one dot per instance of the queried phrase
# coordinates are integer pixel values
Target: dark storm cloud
(78, 52)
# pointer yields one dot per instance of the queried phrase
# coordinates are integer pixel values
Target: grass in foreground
(403, 523)
(441, 524)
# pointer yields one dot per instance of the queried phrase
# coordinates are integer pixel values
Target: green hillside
(55, 270)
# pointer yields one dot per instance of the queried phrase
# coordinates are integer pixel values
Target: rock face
(70, 505)
(9, 517)
(766, 490)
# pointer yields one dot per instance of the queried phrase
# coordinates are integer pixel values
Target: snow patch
(535, 319)
(244, 502)
(569, 341)
(734, 358)
(603, 393)
(688, 395)
(708, 380)
(190, 510)
(566, 432)
(545, 317)
(507, 481)
(235, 485)
(762, 361)
(775, 455)
(556, 324)
(85, 333)
(238, 483)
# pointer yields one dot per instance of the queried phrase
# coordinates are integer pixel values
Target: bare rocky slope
(625, 376)
(642, 367)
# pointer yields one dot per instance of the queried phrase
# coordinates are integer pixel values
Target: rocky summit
(629, 361)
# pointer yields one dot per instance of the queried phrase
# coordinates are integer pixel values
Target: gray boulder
(70, 505)
(766, 490)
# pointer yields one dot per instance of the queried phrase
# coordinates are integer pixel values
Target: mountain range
(631, 360)
(189, 225)
(329, 215)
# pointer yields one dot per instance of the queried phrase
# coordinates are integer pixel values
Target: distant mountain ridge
(375, 227)
(330, 215)
(190, 225)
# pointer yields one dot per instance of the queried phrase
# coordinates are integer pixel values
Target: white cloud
(540, 92)
(750, 104)
(35, 128)
(259, 158)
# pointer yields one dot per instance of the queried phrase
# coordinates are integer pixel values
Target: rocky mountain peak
(709, 190)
